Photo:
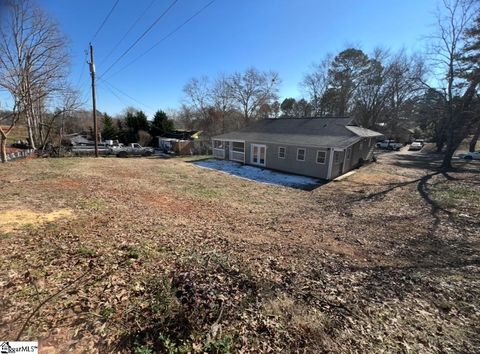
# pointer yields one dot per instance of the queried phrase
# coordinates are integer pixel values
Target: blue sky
(286, 36)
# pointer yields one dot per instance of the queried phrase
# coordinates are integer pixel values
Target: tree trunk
(31, 139)
(3, 148)
(447, 158)
(440, 144)
(476, 135)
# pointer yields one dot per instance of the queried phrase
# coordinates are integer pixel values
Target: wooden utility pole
(95, 125)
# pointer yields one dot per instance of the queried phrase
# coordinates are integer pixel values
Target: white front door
(258, 154)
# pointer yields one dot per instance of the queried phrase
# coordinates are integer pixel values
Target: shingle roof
(363, 132)
(321, 132)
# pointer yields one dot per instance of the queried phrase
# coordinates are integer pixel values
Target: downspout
(330, 164)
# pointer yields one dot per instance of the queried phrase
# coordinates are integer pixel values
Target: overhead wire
(82, 70)
(105, 20)
(171, 33)
(115, 94)
(140, 38)
(128, 32)
(125, 94)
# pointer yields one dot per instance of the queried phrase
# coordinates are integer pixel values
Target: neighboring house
(400, 131)
(182, 134)
(318, 147)
(179, 142)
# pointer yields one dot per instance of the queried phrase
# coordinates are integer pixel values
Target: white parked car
(472, 155)
(416, 145)
(389, 145)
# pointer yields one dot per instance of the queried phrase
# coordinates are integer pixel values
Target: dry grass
(159, 255)
(15, 219)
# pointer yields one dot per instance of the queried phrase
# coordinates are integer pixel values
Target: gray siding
(289, 164)
(309, 167)
(337, 165)
(359, 150)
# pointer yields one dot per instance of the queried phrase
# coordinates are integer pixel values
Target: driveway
(420, 159)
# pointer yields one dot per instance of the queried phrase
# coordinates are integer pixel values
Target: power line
(83, 69)
(128, 32)
(115, 94)
(164, 38)
(105, 20)
(126, 94)
(141, 36)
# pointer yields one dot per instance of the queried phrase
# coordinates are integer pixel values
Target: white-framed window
(300, 154)
(282, 152)
(218, 144)
(238, 146)
(321, 156)
(336, 157)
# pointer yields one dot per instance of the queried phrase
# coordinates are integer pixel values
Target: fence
(20, 154)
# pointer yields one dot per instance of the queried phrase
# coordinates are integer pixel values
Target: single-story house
(401, 131)
(318, 147)
(180, 142)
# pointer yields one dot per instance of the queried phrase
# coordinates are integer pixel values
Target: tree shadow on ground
(428, 260)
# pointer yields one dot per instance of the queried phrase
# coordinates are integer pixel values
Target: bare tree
(33, 61)
(406, 75)
(372, 91)
(471, 60)
(66, 103)
(7, 123)
(198, 94)
(315, 84)
(252, 89)
(388, 89)
(459, 91)
(221, 97)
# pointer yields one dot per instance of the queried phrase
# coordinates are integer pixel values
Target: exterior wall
(338, 167)
(359, 151)
(340, 164)
(183, 147)
(289, 164)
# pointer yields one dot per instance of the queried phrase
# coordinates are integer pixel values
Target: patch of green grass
(86, 252)
(5, 234)
(106, 313)
(94, 204)
(171, 347)
(28, 227)
(195, 158)
(131, 252)
(455, 195)
(223, 345)
(142, 349)
(202, 191)
(61, 163)
(163, 301)
(220, 259)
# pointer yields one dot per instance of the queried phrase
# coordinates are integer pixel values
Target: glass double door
(259, 154)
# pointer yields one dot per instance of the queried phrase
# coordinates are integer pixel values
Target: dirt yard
(149, 255)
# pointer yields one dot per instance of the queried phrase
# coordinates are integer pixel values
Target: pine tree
(109, 131)
(161, 124)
